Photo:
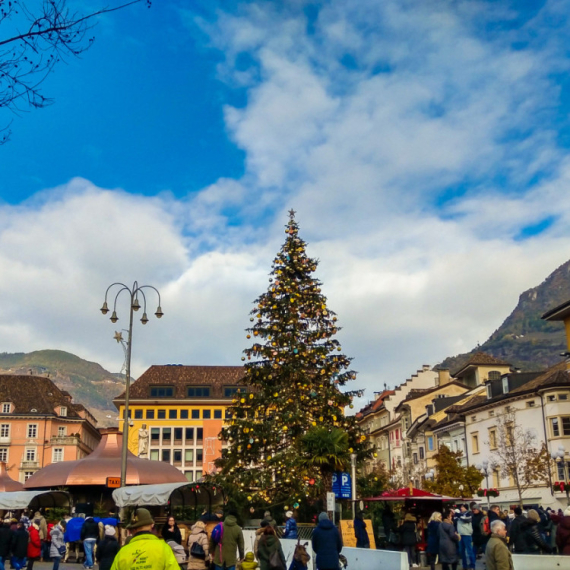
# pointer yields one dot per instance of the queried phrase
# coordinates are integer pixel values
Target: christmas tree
(293, 373)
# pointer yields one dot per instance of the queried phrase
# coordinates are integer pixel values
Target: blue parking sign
(342, 485)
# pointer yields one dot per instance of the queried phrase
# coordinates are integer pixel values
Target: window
(189, 435)
(560, 467)
(138, 414)
(177, 456)
(189, 475)
(421, 452)
(530, 404)
(4, 430)
(63, 411)
(189, 456)
(473, 418)
(197, 392)
(32, 431)
(506, 385)
(493, 438)
(57, 454)
(195, 414)
(199, 434)
(206, 414)
(150, 414)
(177, 434)
(31, 454)
(229, 391)
(489, 392)
(4, 454)
(61, 431)
(491, 413)
(172, 414)
(562, 396)
(154, 455)
(565, 425)
(217, 414)
(415, 458)
(509, 434)
(161, 391)
(155, 435)
(183, 414)
(6, 408)
(27, 475)
(166, 435)
(555, 427)
(161, 414)
(551, 398)
(199, 456)
(430, 443)
(475, 443)
(166, 455)
(496, 479)
(494, 375)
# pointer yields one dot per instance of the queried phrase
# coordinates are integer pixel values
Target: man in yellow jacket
(145, 551)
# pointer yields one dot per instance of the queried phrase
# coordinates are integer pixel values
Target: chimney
(443, 376)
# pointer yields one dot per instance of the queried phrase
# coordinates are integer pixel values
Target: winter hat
(289, 514)
(323, 517)
(249, 557)
(142, 518)
(567, 512)
(109, 530)
(199, 524)
(533, 515)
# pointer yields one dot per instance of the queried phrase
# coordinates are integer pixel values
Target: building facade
(39, 425)
(177, 412)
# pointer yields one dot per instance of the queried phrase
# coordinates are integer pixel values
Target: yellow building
(177, 412)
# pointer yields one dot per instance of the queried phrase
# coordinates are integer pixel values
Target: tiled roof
(481, 359)
(423, 391)
(28, 392)
(556, 375)
(180, 377)
(375, 405)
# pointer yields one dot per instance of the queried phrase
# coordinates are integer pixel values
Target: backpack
(275, 562)
(301, 555)
(218, 533)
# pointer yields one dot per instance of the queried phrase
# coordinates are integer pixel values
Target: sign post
(330, 503)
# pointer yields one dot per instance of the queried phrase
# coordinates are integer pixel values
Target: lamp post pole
(484, 470)
(353, 465)
(134, 305)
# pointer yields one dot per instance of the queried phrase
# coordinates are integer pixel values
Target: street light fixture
(484, 470)
(133, 292)
(559, 456)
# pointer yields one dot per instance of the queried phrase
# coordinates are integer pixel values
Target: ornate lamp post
(484, 470)
(134, 293)
(559, 456)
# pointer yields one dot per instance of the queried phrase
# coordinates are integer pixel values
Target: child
(249, 562)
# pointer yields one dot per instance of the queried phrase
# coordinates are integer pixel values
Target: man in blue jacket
(327, 544)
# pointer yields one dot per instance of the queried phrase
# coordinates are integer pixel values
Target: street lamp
(430, 475)
(559, 456)
(484, 470)
(353, 465)
(133, 292)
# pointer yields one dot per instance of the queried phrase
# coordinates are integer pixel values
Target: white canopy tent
(18, 500)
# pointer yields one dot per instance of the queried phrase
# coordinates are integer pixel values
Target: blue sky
(423, 144)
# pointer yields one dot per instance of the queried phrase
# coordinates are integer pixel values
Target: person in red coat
(35, 544)
(563, 534)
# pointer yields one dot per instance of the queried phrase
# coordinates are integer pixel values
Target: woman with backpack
(198, 546)
(269, 550)
(57, 545)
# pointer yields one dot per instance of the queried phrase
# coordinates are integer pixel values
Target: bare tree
(33, 40)
(519, 456)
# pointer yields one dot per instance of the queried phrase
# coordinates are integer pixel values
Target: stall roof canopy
(184, 494)
(15, 500)
(410, 493)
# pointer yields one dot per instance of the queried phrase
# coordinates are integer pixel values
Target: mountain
(87, 382)
(524, 339)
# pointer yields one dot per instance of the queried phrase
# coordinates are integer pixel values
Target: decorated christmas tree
(291, 391)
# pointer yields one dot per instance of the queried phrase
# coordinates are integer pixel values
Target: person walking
(563, 534)
(34, 544)
(517, 542)
(448, 539)
(409, 537)
(360, 532)
(533, 541)
(145, 551)
(465, 531)
(57, 544)
(89, 535)
(432, 549)
(268, 549)
(107, 548)
(478, 541)
(290, 526)
(198, 554)
(223, 553)
(170, 531)
(327, 544)
(497, 554)
(5, 542)
(19, 547)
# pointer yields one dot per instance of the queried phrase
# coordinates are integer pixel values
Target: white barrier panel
(539, 562)
(358, 558)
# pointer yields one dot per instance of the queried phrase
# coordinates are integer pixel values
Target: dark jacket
(106, 551)
(516, 537)
(174, 535)
(90, 529)
(448, 539)
(563, 536)
(5, 540)
(20, 540)
(362, 539)
(433, 537)
(534, 544)
(408, 533)
(478, 538)
(268, 544)
(327, 545)
(290, 528)
(232, 540)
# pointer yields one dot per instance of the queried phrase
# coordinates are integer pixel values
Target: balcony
(5, 440)
(30, 465)
(64, 440)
